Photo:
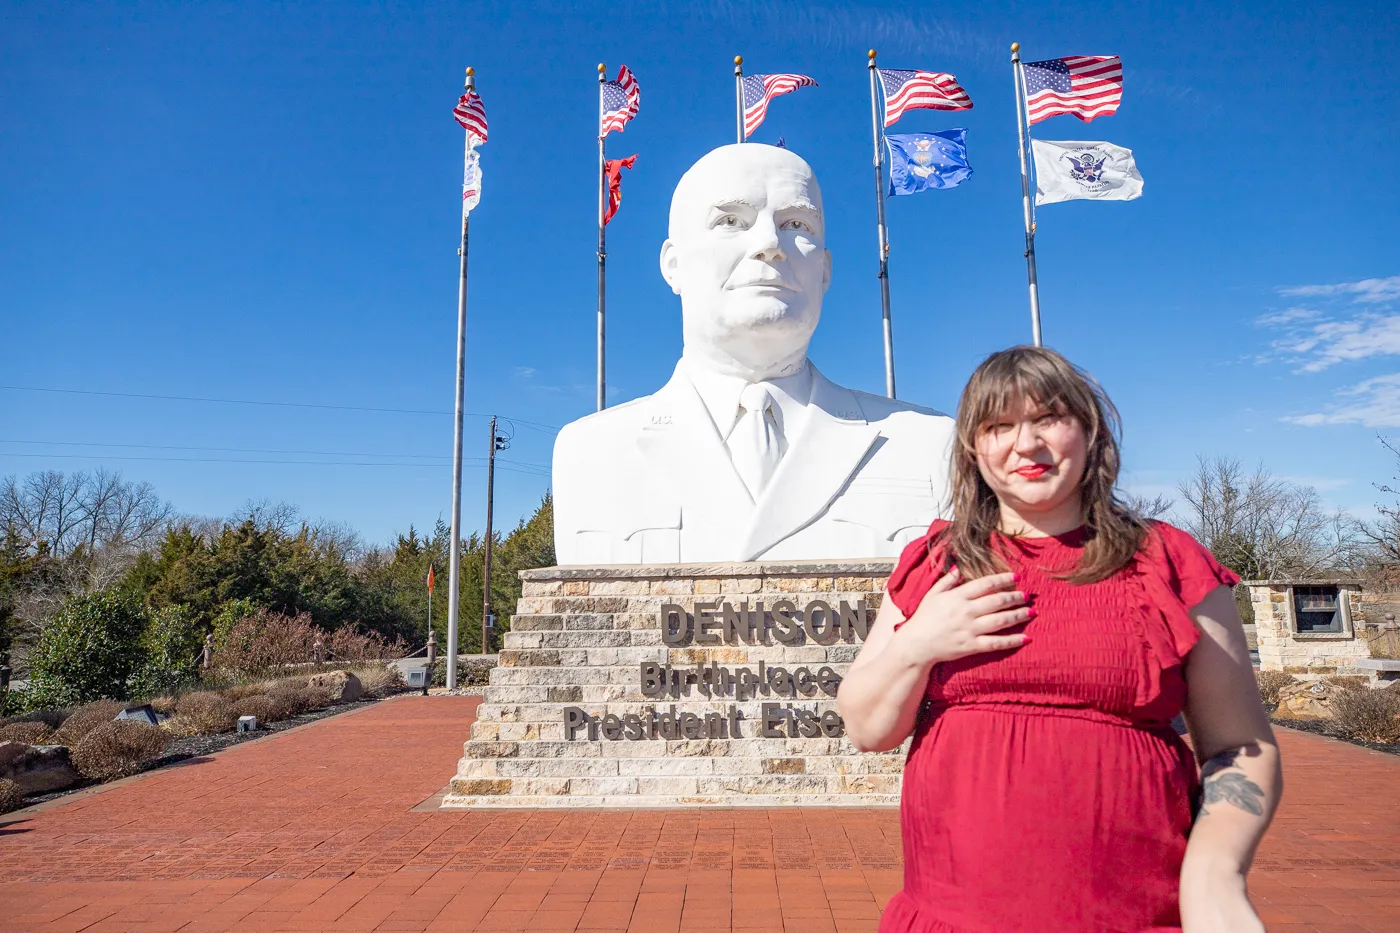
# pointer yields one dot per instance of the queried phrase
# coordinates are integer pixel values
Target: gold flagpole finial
(1015, 46)
(602, 72)
(871, 54)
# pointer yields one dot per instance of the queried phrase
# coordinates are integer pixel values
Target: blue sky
(259, 202)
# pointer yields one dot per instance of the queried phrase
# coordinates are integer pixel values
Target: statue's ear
(670, 266)
(826, 274)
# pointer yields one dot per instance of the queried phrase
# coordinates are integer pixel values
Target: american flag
(920, 90)
(471, 113)
(1087, 86)
(620, 100)
(760, 89)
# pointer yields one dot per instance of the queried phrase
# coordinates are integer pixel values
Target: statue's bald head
(731, 166)
(747, 254)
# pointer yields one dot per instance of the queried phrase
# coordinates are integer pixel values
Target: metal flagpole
(454, 581)
(1023, 131)
(486, 562)
(882, 232)
(739, 96)
(602, 248)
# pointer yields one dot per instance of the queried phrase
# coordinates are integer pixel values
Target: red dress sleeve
(915, 573)
(1192, 571)
(1181, 572)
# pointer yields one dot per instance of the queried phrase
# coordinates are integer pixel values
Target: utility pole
(497, 443)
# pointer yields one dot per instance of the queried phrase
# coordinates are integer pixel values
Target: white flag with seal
(471, 181)
(1066, 171)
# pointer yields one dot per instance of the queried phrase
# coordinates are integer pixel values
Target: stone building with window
(1319, 628)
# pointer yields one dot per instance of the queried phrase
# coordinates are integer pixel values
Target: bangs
(1012, 378)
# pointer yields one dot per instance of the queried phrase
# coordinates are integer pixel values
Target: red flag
(615, 167)
(430, 579)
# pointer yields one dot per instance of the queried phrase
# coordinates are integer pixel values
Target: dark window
(1317, 608)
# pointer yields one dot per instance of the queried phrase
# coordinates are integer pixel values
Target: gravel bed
(1326, 728)
(196, 746)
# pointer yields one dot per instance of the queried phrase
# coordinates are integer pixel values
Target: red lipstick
(1032, 470)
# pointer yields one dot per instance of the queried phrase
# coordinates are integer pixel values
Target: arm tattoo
(1233, 788)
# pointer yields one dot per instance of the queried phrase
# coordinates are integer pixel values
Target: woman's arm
(1240, 773)
(880, 695)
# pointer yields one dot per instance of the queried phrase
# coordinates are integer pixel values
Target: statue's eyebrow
(801, 205)
(733, 202)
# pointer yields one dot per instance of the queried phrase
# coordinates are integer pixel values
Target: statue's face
(747, 253)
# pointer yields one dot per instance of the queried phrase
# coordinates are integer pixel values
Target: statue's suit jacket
(650, 481)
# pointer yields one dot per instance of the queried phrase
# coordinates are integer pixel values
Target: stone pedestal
(678, 685)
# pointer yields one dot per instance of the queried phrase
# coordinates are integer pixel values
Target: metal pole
(454, 579)
(602, 251)
(486, 564)
(1023, 131)
(882, 232)
(739, 97)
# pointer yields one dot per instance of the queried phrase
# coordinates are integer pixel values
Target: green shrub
(10, 796)
(84, 719)
(118, 749)
(208, 713)
(87, 651)
(1369, 715)
(30, 733)
(1271, 682)
(170, 648)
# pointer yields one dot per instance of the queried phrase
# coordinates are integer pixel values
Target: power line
(242, 401)
(534, 469)
(233, 450)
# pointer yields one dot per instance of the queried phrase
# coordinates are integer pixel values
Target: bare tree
(1156, 507)
(1261, 526)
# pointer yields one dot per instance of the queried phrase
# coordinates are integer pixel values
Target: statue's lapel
(680, 443)
(825, 455)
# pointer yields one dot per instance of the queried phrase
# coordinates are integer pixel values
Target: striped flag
(1087, 86)
(920, 90)
(620, 101)
(471, 113)
(760, 89)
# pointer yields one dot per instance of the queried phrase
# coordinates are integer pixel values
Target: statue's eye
(728, 220)
(797, 225)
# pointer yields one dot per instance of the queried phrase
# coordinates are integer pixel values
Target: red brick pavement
(314, 829)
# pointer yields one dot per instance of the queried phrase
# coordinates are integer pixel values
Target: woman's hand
(1216, 902)
(957, 618)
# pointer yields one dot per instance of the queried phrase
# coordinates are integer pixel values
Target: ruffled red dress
(1046, 790)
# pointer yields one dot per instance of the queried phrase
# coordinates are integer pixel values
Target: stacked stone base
(578, 643)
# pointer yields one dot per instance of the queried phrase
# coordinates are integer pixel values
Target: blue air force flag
(920, 161)
(1066, 171)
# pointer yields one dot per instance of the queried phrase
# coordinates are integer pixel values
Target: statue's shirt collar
(720, 393)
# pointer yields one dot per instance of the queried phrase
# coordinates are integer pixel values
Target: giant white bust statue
(748, 452)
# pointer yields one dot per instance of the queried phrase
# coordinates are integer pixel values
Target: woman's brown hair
(1114, 532)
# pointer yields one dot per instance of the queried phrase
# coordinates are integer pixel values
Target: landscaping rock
(340, 686)
(1307, 700)
(37, 769)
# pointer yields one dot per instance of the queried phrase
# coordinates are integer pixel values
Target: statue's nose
(765, 244)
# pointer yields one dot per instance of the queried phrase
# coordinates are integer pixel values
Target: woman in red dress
(1038, 647)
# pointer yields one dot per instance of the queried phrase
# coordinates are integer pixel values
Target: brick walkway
(314, 829)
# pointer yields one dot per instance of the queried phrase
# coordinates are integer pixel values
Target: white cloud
(1375, 404)
(1315, 340)
(1367, 290)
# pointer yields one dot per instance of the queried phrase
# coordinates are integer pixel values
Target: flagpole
(881, 231)
(739, 96)
(602, 247)
(1023, 131)
(454, 583)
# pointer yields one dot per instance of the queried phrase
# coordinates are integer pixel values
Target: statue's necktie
(754, 444)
